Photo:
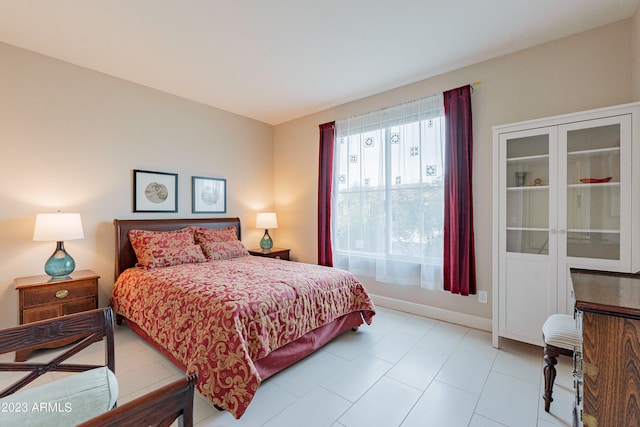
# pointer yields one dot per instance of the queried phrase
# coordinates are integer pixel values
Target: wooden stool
(560, 334)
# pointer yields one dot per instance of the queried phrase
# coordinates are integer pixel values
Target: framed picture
(155, 191)
(208, 195)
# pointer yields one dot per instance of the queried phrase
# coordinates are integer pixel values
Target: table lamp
(266, 220)
(58, 227)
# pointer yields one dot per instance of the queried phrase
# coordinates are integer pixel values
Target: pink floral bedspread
(218, 317)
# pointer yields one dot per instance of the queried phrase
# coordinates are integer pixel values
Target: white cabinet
(564, 196)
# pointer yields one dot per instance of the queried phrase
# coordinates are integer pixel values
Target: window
(388, 202)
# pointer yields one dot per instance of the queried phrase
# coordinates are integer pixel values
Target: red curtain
(325, 180)
(459, 269)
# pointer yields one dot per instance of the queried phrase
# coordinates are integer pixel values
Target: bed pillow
(156, 249)
(223, 250)
(220, 243)
(224, 234)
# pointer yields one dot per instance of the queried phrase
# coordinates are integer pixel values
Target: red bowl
(595, 180)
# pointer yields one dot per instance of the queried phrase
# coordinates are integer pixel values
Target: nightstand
(279, 253)
(41, 298)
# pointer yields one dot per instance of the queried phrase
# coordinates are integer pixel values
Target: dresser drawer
(61, 293)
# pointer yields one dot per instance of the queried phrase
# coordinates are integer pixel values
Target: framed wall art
(208, 195)
(155, 191)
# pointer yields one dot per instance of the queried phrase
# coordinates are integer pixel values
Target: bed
(232, 319)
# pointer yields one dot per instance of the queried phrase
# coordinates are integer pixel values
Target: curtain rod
(472, 85)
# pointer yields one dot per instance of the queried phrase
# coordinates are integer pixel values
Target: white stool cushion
(65, 402)
(560, 330)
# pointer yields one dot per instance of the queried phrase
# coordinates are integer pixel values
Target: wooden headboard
(126, 257)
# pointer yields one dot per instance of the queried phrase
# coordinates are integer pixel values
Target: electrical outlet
(482, 297)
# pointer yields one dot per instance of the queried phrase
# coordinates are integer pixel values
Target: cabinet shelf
(529, 159)
(528, 188)
(592, 230)
(569, 230)
(590, 153)
(594, 184)
(546, 230)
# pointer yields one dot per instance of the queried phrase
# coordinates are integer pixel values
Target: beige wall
(588, 70)
(69, 140)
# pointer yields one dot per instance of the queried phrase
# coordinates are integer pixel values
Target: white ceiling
(277, 60)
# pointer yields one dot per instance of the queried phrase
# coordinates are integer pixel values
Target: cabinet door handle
(553, 231)
(62, 293)
(562, 231)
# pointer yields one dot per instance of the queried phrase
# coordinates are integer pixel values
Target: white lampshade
(266, 220)
(58, 227)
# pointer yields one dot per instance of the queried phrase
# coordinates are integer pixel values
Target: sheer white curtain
(388, 198)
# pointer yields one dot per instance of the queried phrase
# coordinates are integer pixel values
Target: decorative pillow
(156, 249)
(225, 234)
(223, 250)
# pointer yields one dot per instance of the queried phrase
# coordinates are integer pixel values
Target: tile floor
(403, 370)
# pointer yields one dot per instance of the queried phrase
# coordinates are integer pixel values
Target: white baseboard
(467, 320)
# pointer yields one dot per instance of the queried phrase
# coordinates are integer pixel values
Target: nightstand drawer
(54, 310)
(58, 293)
(46, 312)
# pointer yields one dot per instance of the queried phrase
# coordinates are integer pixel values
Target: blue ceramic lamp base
(60, 264)
(266, 243)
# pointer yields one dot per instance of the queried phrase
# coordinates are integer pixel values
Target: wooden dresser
(608, 376)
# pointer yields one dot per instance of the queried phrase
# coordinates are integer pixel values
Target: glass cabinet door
(593, 188)
(527, 189)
